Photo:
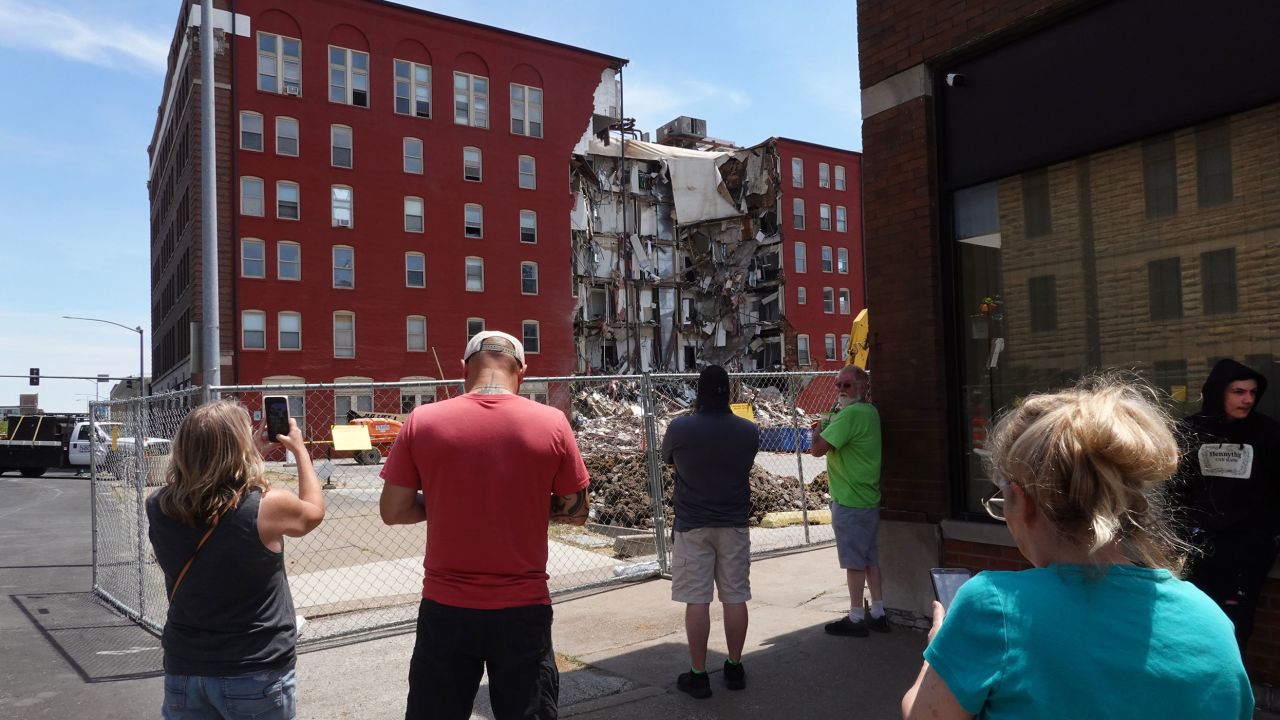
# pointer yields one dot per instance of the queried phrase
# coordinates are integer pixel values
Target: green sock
(733, 662)
(696, 671)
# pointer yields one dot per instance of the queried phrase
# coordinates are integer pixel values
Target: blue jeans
(268, 695)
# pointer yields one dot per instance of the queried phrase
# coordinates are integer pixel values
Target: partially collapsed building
(684, 256)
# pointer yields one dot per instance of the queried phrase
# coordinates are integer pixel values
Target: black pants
(1232, 572)
(454, 647)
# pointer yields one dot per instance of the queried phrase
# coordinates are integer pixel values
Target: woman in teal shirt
(1101, 627)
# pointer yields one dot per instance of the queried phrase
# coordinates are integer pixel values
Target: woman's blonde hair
(214, 463)
(1095, 460)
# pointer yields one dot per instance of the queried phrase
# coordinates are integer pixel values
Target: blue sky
(85, 77)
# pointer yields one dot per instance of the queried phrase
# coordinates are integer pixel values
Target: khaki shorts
(722, 554)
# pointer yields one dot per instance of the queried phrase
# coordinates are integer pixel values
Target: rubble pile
(620, 491)
(820, 485)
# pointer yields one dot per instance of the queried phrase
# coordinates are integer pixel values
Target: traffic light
(35, 376)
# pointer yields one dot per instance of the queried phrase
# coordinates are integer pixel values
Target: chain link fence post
(140, 457)
(655, 472)
(804, 504)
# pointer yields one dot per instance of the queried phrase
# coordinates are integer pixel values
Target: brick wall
(980, 556)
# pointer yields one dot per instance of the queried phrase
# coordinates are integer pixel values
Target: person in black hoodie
(1231, 491)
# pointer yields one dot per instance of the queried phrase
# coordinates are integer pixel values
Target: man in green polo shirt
(850, 441)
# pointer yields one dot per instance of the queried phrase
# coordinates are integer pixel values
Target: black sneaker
(846, 627)
(879, 624)
(695, 684)
(735, 677)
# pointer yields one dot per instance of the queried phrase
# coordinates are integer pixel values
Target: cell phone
(946, 583)
(277, 409)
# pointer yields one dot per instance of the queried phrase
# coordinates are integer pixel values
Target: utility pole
(212, 350)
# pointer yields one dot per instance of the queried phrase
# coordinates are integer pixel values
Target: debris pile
(620, 490)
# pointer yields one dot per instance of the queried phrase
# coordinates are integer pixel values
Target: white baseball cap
(478, 343)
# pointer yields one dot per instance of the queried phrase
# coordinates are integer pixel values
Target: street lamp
(138, 330)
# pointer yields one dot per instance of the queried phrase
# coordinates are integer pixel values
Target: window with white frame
(839, 177)
(802, 296)
(250, 131)
(844, 346)
(341, 152)
(842, 261)
(475, 326)
(802, 258)
(802, 351)
(531, 336)
(526, 110)
(844, 301)
(289, 330)
(824, 175)
(824, 216)
(415, 270)
(528, 226)
(472, 164)
(253, 330)
(528, 172)
(251, 197)
(470, 100)
(412, 397)
(797, 213)
(288, 260)
(279, 64)
(253, 261)
(345, 401)
(830, 342)
(475, 274)
(413, 155)
(348, 76)
(413, 89)
(286, 136)
(797, 172)
(827, 264)
(473, 220)
(344, 267)
(287, 198)
(416, 333)
(344, 335)
(413, 217)
(528, 278)
(828, 301)
(342, 201)
(842, 219)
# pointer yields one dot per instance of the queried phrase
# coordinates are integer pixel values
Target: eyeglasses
(844, 384)
(994, 505)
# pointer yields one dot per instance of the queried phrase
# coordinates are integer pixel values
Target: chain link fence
(354, 575)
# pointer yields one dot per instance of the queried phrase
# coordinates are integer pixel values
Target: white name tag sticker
(1223, 460)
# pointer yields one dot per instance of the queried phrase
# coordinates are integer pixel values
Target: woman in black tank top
(218, 530)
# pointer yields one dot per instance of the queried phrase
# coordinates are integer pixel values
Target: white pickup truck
(34, 444)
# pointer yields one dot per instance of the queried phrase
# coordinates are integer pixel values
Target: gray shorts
(701, 555)
(856, 536)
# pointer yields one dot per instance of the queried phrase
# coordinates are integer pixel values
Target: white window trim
(824, 175)
(471, 100)
(527, 105)
(466, 223)
(407, 269)
(422, 214)
(334, 326)
(466, 265)
(259, 243)
(262, 131)
(842, 219)
(797, 172)
(842, 253)
(533, 214)
(333, 219)
(263, 197)
(806, 359)
(828, 259)
(349, 73)
(297, 141)
(470, 320)
(824, 217)
(538, 329)
(333, 262)
(828, 300)
(844, 301)
(479, 164)
(840, 178)
(280, 330)
(537, 287)
(413, 87)
(829, 348)
(243, 328)
(802, 295)
(333, 145)
(533, 174)
(280, 263)
(407, 346)
(801, 254)
(404, 148)
(281, 85)
(797, 218)
(298, 189)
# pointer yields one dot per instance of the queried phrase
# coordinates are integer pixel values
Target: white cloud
(108, 44)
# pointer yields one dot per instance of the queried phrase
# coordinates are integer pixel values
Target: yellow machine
(859, 343)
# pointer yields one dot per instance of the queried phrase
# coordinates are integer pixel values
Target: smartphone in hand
(946, 583)
(277, 410)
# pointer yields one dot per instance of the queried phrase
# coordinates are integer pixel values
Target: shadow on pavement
(99, 643)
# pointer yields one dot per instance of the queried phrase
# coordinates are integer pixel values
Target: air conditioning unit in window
(342, 222)
(292, 90)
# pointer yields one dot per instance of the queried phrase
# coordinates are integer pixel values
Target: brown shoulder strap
(187, 567)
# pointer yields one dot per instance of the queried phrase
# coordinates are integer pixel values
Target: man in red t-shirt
(486, 470)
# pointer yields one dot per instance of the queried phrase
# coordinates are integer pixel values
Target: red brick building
(390, 181)
(1052, 187)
